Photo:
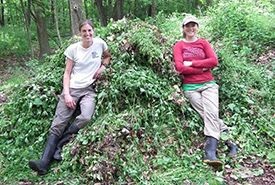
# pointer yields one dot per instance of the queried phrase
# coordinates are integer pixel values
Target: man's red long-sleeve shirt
(202, 56)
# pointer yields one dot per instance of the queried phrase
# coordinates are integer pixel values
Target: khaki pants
(85, 98)
(205, 101)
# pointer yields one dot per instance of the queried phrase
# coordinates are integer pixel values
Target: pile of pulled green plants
(144, 130)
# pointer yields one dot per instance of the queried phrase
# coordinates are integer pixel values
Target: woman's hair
(184, 35)
(84, 23)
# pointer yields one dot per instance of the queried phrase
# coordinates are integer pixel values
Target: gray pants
(85, 98)
(205, 101)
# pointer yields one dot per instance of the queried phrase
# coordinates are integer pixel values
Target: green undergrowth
(14, 41)
(246, 70)
(143, 130)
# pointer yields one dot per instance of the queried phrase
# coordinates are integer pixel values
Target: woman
(84, 65)
(194, 58)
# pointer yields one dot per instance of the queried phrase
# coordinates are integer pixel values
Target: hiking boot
(42, 166)
(210, 152)
(67, 136)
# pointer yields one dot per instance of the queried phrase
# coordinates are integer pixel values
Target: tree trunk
(56, 21)
(118, 10)
(27, 24)
(52, 5)
(153, 8)
(29, 12)
(42, 34)
(110, 9)
(76, 15)
(101, 12)
(2, 19)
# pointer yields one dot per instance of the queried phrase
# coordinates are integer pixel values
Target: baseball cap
(188, 19)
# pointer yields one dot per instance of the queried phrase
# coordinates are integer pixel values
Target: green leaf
(271, 156)
(37, 101)
(258, 172)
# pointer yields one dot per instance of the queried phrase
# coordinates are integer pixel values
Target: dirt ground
(251, 173)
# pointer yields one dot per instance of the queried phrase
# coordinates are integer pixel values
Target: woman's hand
(187, 63)
(99, 71)
(69, 101)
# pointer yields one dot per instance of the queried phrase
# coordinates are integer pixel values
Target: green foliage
(13, 41)
(247, 26)
(29, 111)
(247, 86)
(169, 25)
(143, 131)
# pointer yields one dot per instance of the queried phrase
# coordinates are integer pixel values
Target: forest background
(143, 131)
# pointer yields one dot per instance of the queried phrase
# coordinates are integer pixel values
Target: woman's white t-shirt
(86, 62)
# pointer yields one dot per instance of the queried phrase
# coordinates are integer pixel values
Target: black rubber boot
(233, 149)
(210, 152)
(42, 166)
(73, 129)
